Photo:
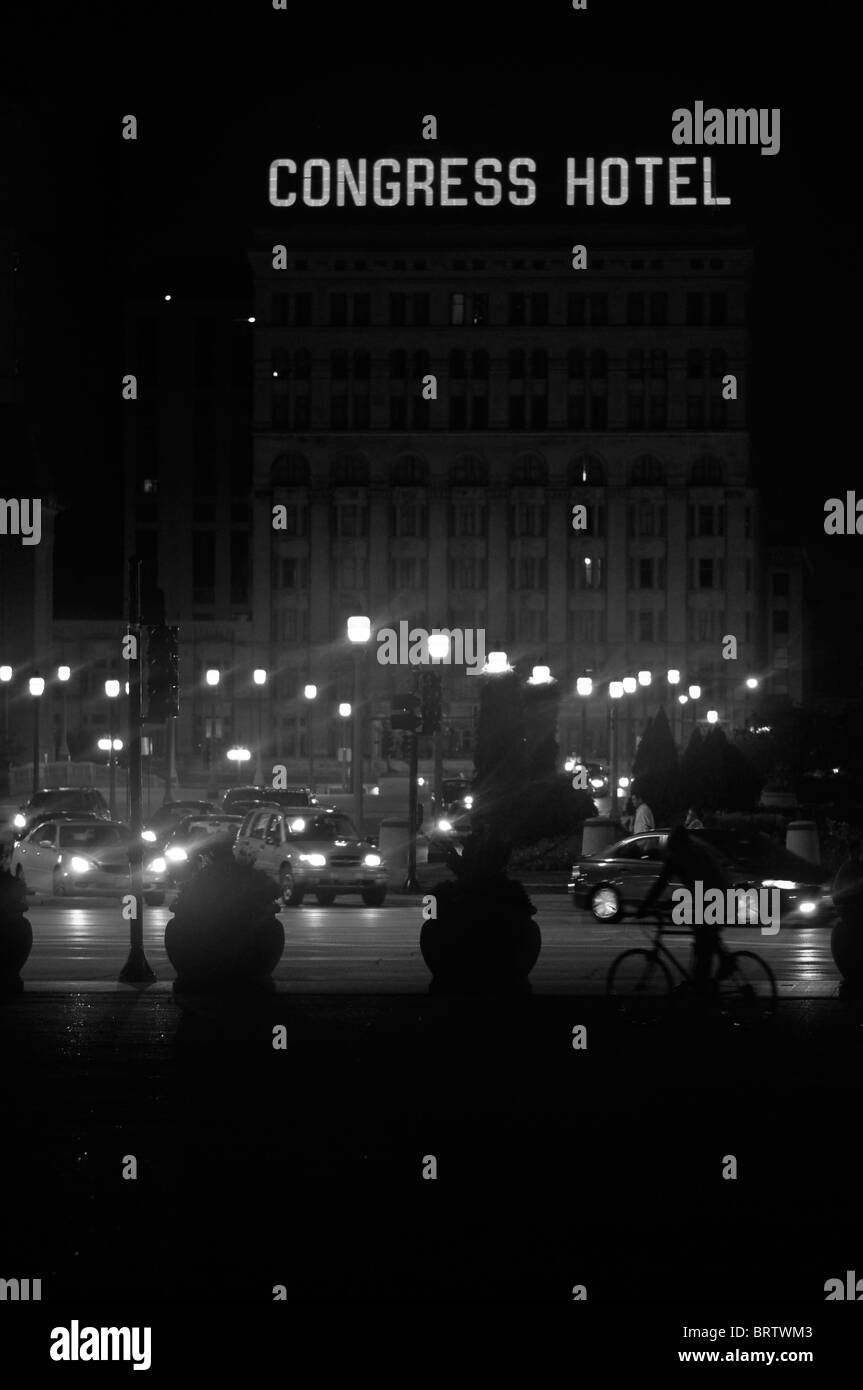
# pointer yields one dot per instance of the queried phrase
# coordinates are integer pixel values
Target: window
(539, 308)
(398, 310)
(515, 365)
(303, 364)
(598, 364)
(647, 471)
(694, 413)
(576, 310)
(780, 584)
(598, 412)
(635, 364)
(529, 471)
(780, 620)
(203, 567)
(351, 520)
(658, 416)
(468, 471)
(645, 626)
(707, 472)
(398, 365)
(467, 573)
(479, 413)
(457, 412)
(539, 363)
(303, 310)
(479, 365)
(420, 306)
(516, 412)
(538, 412)
(339, 366)
(598, 310)
(635, 412)
(527, 519)
(362, 310)
(694, 310)
(635, 309)
(398, 413)
(517, 309)
(645, 574)
(408, 573)
(718, 362)
(587, 572)
(361, 412)
(468, 519)
(705, 521)
(575, 412)
(420, 413)
(349, 572)
(338, 310)
(718, 309)
(586, 626)
(457, 365)
(296, 520)
(575, 364)
(280, 309)
(705, 573)
(718, 413)
(339, 412)
(659, 307)
(527, 572)
(694, 364)
(361, 366)
(410, 471)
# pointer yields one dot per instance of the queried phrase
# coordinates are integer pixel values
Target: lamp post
(584, 688)
(63, 675)
(359, 634)
(259, 676)
(212, 677)
(345, 713)
(310, 692)
(673, 678)
(713, 716)
(615, 693)
(751, 684)
(37, 689)
(112, 690)
(630, 685)
(5, 678)
(694, 695)
(438, 648)
(645, 680)
(240, 756)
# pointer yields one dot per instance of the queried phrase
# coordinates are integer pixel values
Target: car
(282, 796)
(50, 800)
(452, 825)
(306, 850)
(617, 880)
(162, 822)
(80, 857)
(191, 842)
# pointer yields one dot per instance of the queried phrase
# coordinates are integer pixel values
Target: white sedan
(81, 857)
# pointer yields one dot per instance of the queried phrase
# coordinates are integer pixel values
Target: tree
(656, 775)
(542, 752)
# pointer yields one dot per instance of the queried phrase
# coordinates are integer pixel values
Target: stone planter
(481, 942)
(225, 931)
(16, 934)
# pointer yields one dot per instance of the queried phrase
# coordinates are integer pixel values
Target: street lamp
(37, 689)
(584, 688)
(310, 692)
(259, 676)
(359, 633)
(712, 716)
(238, 756)
(751, 683)
(112, 690)
(615, 693)
(497, 664)
(5, 678)
(212, 676)
(540, 675)
(345, 713)
(64, 674)
(438, 649)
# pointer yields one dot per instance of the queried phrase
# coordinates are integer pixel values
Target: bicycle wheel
(747, 993)
(639, 985)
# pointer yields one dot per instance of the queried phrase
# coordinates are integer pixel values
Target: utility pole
(137, 969)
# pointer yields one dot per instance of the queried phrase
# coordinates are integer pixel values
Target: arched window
(339, 366)
(349, 470)
(530, 470)
(281, 363)
(647, 471)
(515, 364)
(361, 366)
(707, 471)
(398, 365)
(479, 365)
(290, 470)
(598, 363)
(469, 470)
(457, 364)
(539, 363)
(586, 471)
(409, 471)
(635, 363)
(575, 364)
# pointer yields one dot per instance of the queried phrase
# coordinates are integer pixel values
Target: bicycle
(743, 987)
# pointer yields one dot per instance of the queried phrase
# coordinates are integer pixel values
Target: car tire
(325, 897)
(373, 897)
(606, 904)
(292, 896)
(154, 899)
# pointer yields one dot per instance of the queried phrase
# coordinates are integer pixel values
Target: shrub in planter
(483, 939)
(16, 934)
(225, 929)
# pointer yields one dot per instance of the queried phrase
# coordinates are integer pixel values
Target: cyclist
(690, 860)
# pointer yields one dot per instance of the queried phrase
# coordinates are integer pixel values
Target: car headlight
(157, 866)
(20, 821)
(808, 907)
(372, 861)
(597, 782)
(298, 826)
(316, 861)
(79, 865)
(778, 883)
(176, 854)
(149, 836)
(445, 826)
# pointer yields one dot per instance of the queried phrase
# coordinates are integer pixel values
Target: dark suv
(246, 797)
(65, 800)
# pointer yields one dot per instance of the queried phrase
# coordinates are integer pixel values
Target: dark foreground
(303, 1167)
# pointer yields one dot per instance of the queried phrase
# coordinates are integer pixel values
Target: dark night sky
(195, 183)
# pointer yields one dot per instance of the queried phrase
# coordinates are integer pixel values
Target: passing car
(283, 796)
(451, 826)
(306, 850)
(68, 800)
(84, 858)
(618, 879)
(162, 822)
(190, 844)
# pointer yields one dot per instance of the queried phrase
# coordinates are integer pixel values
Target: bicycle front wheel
(639, 986)
(747, 994)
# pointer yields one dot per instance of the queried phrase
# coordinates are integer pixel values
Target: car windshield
(56, 799)
(322, 828)
(98, 836)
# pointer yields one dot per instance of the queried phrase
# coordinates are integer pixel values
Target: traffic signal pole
(137, 969)
(411, 882)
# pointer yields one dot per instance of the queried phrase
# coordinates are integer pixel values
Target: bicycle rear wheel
(639, 986)
(747, 994)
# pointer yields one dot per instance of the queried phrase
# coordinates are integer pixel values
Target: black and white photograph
(431, 688)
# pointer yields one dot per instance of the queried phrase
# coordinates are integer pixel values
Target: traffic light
(163, 673)
(432, 702)
(405, 712)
